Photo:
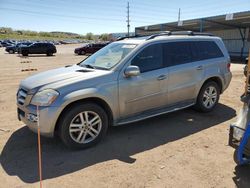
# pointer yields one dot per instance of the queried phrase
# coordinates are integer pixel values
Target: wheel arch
(215, 79)
(94, 100)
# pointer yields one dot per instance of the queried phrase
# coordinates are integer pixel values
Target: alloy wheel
(85, 127)
(209, 97)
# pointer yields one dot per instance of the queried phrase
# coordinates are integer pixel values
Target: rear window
(177, 53)
(205, 50)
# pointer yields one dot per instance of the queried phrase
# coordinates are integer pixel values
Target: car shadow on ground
(19, 155)
(242, 176)
(35, 55)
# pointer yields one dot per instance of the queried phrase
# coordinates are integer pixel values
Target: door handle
(199, 67)
(162, 77)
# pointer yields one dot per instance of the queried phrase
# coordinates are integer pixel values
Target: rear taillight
(229, 66)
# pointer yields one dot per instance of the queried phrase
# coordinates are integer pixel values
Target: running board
(149, 114)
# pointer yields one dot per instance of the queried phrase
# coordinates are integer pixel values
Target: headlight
(44, 97)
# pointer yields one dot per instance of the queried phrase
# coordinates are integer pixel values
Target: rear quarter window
(203, 50)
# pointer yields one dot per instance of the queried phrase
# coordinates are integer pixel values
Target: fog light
(32, 117)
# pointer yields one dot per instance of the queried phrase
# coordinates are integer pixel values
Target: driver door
(148, 90)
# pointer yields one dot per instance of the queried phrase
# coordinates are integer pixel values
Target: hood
(61, 76)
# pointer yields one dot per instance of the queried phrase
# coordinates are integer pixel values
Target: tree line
(57, 34)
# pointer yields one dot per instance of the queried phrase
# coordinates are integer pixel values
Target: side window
(149, 58)
(206, 50)
(177, 53)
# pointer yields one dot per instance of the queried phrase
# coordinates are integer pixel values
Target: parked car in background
(89, 48)
(38, 48)
(126, 81)
(5, 44)
(14, 48)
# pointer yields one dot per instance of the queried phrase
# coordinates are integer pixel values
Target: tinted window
(205, 50)
(177, 53)
(49, 45)
(149, 58)
(40, 44)
(36, 45)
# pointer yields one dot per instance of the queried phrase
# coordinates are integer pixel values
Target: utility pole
(179, 15)
(128, 20)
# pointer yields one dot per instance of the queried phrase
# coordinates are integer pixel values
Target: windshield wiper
(89, 66)
(92, 67)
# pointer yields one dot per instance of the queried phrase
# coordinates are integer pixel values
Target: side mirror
(132, 71)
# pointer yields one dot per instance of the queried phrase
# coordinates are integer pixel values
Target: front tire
(208, 97)
(83, 125)
(11, 52)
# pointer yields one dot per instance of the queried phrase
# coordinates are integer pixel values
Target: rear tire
(82, 53)
(49, 53)
(83, 126)
(25, 53)
(11, 52)
(208, 97)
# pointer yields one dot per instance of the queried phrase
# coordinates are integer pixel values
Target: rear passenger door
(37, 49)
(184, 74)
(33, 48)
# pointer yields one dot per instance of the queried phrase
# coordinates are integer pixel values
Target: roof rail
(122, 38)
(182, 33)
(169, 33)
(189, 33)
(165, 33)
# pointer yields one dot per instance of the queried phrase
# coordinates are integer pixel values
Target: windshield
(109, 56)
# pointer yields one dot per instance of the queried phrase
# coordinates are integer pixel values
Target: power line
(67, 17)
(60, 15)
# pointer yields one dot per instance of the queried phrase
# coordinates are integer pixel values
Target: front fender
(110, 98)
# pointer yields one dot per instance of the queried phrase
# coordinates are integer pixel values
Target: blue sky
(106, 16)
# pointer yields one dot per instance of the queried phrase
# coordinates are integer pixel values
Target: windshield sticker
(128, 46)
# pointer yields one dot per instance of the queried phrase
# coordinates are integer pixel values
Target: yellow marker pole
(39, 147)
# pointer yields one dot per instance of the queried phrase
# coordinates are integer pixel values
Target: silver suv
(126, 81)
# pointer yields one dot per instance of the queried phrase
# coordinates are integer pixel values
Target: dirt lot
(181, 149)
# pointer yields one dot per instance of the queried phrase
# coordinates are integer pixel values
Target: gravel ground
(180, 149)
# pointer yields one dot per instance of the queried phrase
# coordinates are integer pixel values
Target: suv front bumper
(47, 119)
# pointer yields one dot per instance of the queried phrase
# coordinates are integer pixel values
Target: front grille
(21, 96)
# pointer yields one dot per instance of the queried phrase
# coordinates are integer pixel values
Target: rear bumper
(227, 80)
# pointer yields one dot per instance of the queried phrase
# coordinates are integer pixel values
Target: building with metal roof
(232, 28)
